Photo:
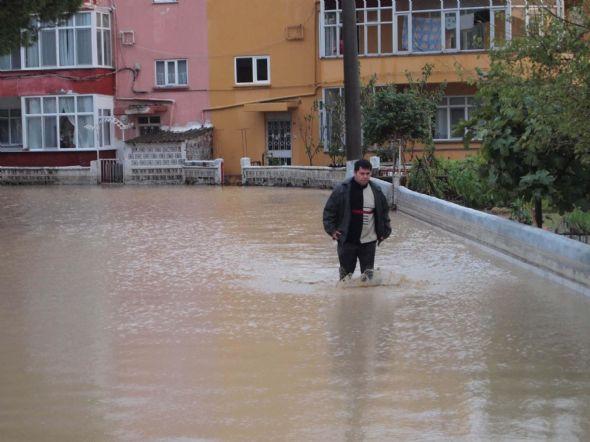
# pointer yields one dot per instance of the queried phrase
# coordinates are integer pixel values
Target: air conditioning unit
(127, 38)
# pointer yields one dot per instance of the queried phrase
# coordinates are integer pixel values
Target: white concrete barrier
(561, 259)
(387, 189)
(291, 176)
(49, 175)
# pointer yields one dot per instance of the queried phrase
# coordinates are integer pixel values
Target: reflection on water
(197, 313)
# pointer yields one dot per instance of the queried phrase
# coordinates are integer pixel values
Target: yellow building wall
(261, 28)
(257, 28)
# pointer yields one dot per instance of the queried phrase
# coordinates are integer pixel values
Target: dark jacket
(337, 211)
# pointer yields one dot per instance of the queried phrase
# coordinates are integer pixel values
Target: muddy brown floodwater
(211, 314)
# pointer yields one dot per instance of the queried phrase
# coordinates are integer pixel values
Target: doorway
(278, 138)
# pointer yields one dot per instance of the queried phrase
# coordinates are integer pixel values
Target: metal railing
(111, 172)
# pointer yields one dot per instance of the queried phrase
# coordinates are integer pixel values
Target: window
(450, 112)
(528, 15)
(10, 61)
(171, 73)
(66, 122)
(252, 70)
(10, 127)
(70, 42)
(429, 26)
(103, 39)
(148, 125)
(332, 123)
(104, 127)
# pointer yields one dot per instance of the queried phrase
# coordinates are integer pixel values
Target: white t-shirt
(368, 233)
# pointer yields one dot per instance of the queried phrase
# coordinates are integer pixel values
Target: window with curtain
(103, 39)
(10, 127)
(62, 122)
(171, 73)
(10, 61)
(418, 26)
(105, 127)
(69, 42)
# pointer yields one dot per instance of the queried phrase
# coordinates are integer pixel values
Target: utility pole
(352, 91)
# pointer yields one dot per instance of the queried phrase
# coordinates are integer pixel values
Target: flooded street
(184, 314)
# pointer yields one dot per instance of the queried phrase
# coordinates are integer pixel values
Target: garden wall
(287, 176)
(48, 175)
(561, 259)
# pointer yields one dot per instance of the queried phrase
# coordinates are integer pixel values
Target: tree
(404, 116)
(533, 114)
(334, 126)
(336, 133)
(15, 16)
(306, 129)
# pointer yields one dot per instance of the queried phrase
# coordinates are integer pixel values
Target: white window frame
(104, 39)
(73, 24)
(330, 24)
(255, 80)
(468, 104)
(167, 80)
(101, 127)
(12, 61)
(15, 134)
(164, 1)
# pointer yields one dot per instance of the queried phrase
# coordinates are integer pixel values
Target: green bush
(458, 181)
(385, 153)
(426, 176)
(520, 211)
(465, 183)
(578, 222)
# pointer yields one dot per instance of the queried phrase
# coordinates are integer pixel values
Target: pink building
(162, 67)
(57, 96)
(138, 62)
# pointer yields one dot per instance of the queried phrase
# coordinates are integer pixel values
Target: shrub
(425, 176)
(520, 211)
(465, 183)
(578, 222)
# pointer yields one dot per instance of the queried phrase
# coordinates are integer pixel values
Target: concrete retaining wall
(562, 259)
(48, 175)
(203, 172)
(296, 176)
(154, 163)
(166, 163)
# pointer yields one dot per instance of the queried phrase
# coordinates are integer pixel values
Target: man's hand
(336, 235)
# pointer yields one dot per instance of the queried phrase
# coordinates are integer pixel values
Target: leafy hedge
(463, 182)
(578, 222)
(459, 181)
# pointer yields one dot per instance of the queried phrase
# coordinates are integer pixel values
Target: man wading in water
(357, 216)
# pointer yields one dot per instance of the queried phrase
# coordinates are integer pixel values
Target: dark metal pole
(352, 91)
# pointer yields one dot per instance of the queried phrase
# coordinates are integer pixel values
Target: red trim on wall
(52, 159)
(55, 81)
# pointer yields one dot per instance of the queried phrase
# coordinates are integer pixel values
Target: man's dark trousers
(348, 253)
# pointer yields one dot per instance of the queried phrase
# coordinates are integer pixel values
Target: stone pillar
(244, 163)
(95, 170)
(219, 178)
